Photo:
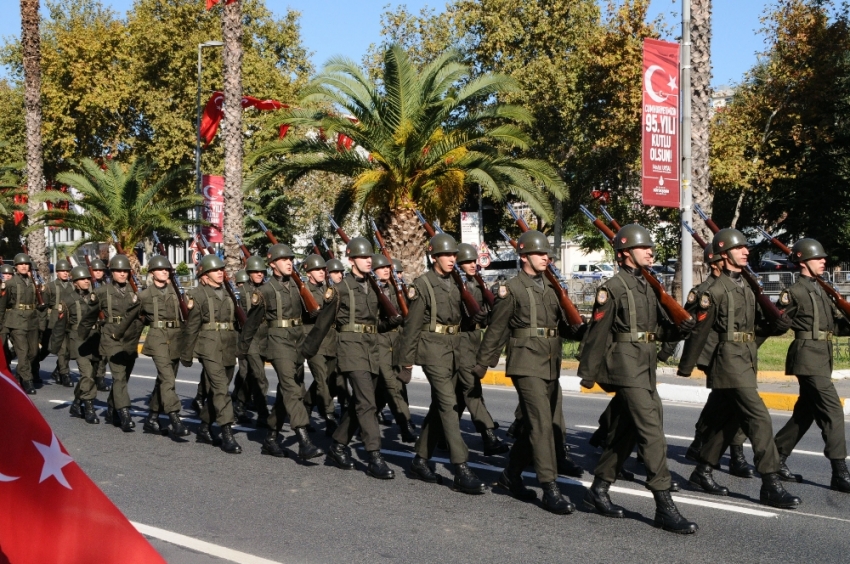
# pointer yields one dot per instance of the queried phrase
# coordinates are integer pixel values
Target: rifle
(245, 251)
(328, 250)
(100, 315)
(552, 274)
(842, 304)
(386, 305)
(398, 285)
(508, 238)
(238, 312)
(36, 282)
(469, 301)
(615, 225)
(770, 310)
(697, 237)
(172, 276)
(316, 248)
(676, 312)
(310, 303)
(132, 278)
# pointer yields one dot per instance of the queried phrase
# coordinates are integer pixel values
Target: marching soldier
(815, 320)
(7, 271)
(336, 383)
(619, 352)
(238, 396)
(432, 340)
(54, 293)
(528, 318)
(19, 317)
(211, 336)
(255, 387)
(729, 309)
(336, 270)
(277, 305)
(75, 306)
(98, 272)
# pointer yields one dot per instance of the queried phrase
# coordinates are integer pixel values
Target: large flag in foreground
(50, 511)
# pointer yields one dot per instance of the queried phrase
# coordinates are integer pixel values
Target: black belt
(165, 324)
(296, 322)
(358, 328)
(639, 337)
(214, 326)
(809, 335)
(535, 332)
(443, 329)
(738, 337)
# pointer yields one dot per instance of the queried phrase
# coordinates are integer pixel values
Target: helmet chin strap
(732, 261)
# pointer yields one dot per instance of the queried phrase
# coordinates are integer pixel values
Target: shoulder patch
(60, 308)
(411, 293)
(503, 291)
(692, 297)
(329, 294)
(2, 285)
(705, 301)
(255, 298)
(190, 303)
(93, 297)
(785, 298)
(601, 296)
(135, 298)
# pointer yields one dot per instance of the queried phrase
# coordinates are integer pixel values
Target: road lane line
(201, 546)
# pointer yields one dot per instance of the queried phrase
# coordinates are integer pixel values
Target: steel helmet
(97, 264)
(358, 247)
(380, 261)
(7, 269)
(79, 273)
(119, 262)
(532, 242)
(240, 277)
(279, 251)
(209, 263)
(709, 257)
(726, 239)
(255, 264)
(313, 262)
(631, 236)
(62, 265)
(335, 265)
(466, 253)
(159, 262)
(399, 267)
(22, 258)
(442, 244)
(807, 249)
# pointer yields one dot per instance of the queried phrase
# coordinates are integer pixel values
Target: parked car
(592, 272)
(663, 269)
(768, 265)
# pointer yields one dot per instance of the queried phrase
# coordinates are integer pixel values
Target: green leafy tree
(414, 146)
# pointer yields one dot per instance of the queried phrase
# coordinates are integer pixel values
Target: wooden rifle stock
(238, 312)
(485, 291)
(310, 303)
(39, 298)
(172, 278)
(398, 285)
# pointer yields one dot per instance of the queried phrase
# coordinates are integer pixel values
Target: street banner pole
(687, 264)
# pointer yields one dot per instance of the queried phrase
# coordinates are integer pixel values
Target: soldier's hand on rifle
(587, 384)
(687, 326)
(782, 324)
(185, 362)
(395, 321)
(479, 370)
(577, 331)
(683, 374)
(480, 317)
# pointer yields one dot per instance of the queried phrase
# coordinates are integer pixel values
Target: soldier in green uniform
(74, 306)
(160, 311)
(53, 294)
(255, 387)
(277, 305)
(730, 310)
(432, 339)
(528, 319)
(210, 335)
(335, 269)
(336, 383)
(98, 272)
(19, 317)
(619, 353)
(470, 394)
(815, 320)
(7, 271)
(238, 397)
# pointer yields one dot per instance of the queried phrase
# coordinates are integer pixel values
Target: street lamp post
(198, 118)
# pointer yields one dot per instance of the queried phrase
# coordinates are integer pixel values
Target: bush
(182, 269)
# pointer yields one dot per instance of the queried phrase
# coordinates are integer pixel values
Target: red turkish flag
(20, 200)
(213, 113)
(211, 3)
(49, 508)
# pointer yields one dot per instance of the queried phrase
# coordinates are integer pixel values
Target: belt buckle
(650, 337)
(550, 332)
(451, 330)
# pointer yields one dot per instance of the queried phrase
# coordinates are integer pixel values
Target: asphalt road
(283, 510)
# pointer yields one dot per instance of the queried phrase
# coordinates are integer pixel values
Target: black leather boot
(66, 381)
(738, 464)
(339, 455)
(702, 477)
(55, 375)
(406, 430)
(492, 444)
(378, 468)
(421, 470)
(597, 439)
(76, 409)
(785, 473)
(178, 429)
(90, 413)
(112, 416)
(28, 387)
(306, 448)
(626, 475)
(597, 498)
(554, 501)
(271, 447)
(205, 434)
(127, 423)
(228, 443)
(513, 483)
(693, 450)
(151, 424)
(773, 493)
(238, 408)
(840, 476)
(330, 424)
(513, 429)
(566, 466)
(384, 418)
(667, 515)
(102, 386)
(198, 403)
(466, 481)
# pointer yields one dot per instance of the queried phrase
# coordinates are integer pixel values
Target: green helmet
(358, 247)
(532, 242)
(279, 251)
(97, 264)
(399, 267)
(209, 263)
(466, 253)
(255, 264)
(379, 261)
(334, 265)
(62, 265)
(313, 262)
(442, 244)
(807, 249)
(159, 262)
(726, 239)
(240, 277)
(119, 262)
(631, 236)
(22, 258)
(7, 269)
(708, 255)
(79, 273)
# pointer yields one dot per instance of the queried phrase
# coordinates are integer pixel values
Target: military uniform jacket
(260, 340)
(470, 330)
(617, 349)
(160, 311)
(209, 329)
(729, 310)
(76, 305)
(690, 354)
(528, 318)
(388, 336)
(275, 304)
(328, 346)
(18, 304)
(117, 304)
(813, 317)
(434, 300)
(54, 292)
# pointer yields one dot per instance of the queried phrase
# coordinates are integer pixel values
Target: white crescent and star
(5, 478)
(54, 461)
(647, 79)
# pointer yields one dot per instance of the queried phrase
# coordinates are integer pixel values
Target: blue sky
(333, 27)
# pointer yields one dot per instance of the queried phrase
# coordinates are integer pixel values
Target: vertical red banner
(213, 190)
(660, 143)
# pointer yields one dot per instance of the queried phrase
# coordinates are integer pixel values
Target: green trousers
(818, 403)
(164, 396)
(539, 433)
(443, 418)
(290, 395)
(216, 379)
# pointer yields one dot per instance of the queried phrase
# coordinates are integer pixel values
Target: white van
(592, 272)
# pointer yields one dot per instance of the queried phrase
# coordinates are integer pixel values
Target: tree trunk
(232, 134)
(406, 240)
(700, 117)
(31, 43)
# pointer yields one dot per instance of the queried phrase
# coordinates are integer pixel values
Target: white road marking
(201, 546)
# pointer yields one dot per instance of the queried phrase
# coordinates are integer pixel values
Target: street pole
(687, 265)
(198, 119)
(480, 217)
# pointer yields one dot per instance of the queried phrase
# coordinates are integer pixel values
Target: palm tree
(421, 140)
(700, 116)
(234, 212)
(10, 186)
(125, 200)
(31, 45)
